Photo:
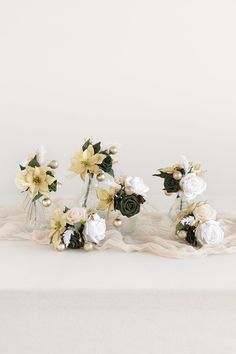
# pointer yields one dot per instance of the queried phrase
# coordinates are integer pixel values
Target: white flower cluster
(94, 226)
(208, 231)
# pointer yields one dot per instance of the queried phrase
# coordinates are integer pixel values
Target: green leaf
(86, 145)
(39, 195)
(53, 187)
(34, 162)
(66, 209)
(77, 227)
(111, 173)
(97, 147)
(22, 168)
(50, 173)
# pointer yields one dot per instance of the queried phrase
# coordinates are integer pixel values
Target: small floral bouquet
(185, 180)
(126, 196)
(76, 228)
(37, 179)
(197, 225)
(93, 161)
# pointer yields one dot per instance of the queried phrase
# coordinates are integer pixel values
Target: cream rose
(209, 233)
(95, 229)
(137, 184)
(75, 215)
(191, 186)
(204, 213)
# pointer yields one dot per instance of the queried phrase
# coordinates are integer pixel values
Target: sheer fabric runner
(153, 232)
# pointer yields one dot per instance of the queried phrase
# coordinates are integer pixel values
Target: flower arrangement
(183, 179)
(37, 179)
(126, 196)
(197, 225)
(91, 161)
(76, 228)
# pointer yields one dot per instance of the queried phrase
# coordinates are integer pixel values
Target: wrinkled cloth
(150, 231)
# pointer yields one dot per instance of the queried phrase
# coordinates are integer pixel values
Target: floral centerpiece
(197, 225)
(185, 180)
(76, 228)
(37, 179)
(126, 197)
(93, 161)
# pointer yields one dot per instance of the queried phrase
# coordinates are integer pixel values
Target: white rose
(95, 229)
(191, 186)
(204, 213)
(137, 184)
(209, 233)
(75, 215)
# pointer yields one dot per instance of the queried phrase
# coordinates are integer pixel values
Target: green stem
(88, 190)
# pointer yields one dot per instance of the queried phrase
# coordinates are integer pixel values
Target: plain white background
(159, 77)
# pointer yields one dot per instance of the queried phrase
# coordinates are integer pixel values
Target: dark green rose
(171, 185)
(129, 205)
(106, 164)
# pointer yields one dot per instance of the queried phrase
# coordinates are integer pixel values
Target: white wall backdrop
(157, 76)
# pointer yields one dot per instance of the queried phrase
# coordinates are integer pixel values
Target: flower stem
(88, 190)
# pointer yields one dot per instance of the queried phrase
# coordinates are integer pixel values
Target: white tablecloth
(113, 302)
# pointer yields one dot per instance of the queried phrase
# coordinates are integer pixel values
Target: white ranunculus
(76, 215)
(95, 229)
(209, 233)
(204, 213)
(137, 184)
(191, 186)
(67, 236)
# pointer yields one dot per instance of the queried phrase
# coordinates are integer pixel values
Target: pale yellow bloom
(106, 199)
(58, 224)
(35, 180)
(84, 162)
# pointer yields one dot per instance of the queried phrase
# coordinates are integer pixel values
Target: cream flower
(106, 198)
(95, 229)
(58, 224)
(35, 180)
(210, 233)
(76, 215)
(204, 213)
(84, 162)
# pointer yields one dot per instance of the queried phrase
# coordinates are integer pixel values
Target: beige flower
(58, 224)
(106, 198)
(171, 169)
(84, 162)
(35, 180)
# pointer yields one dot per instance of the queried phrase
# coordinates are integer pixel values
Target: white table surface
(112, 302)
(31, 266)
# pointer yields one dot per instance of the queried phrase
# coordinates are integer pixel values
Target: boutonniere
(197, 225)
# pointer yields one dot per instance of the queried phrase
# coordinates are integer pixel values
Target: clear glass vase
(36, 216)
(178, 206)
(88, 196)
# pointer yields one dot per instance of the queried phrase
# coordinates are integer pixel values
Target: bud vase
(177, 207)
(88, 196)
(36, 216)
